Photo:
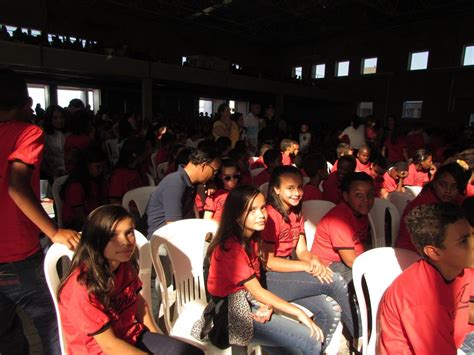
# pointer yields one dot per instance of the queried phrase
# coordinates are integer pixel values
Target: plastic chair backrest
(379, 267)
(185, 243)
(330, 166)
(253, 159)
(113, 150)
(151, 181)
(313, 211)
(161, 170)
(400, 200)
(255, 172)
(57, 185)
(378, 223)
(140, 196)
(414, 190)
(153, 165)
(54, 254)
(264, 189)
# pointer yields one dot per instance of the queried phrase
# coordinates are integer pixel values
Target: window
(418, 60)
(319, 71)
(412, 109)
(205, 106)
(297, 73)
(87, 96)
(39, 94)
(184, 60)
(342, 68)
(468, 55)
(365, 109)
(369, 65)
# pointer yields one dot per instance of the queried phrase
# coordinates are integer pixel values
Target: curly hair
(428, 224)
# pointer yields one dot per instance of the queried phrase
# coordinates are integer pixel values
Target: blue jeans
(468, 345)
(22, 284)
(281, 335)
(297, 287)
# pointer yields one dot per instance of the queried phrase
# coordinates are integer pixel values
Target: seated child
(426, 309)
(316, 167)
(377, 170)
(259, 163)
(363, 159)
(393, 179)
(341, 150)
(331, 186)
(272, 159)
(287, 148)
(343, 233)
(421, 170)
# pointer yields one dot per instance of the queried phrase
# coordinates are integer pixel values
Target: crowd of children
(260, 249)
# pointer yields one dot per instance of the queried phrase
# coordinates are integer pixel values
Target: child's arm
(322, 272)
(22, 194)
(271, 300)
(145, 316)
(110, 344)
(275, 263)
(347, 256)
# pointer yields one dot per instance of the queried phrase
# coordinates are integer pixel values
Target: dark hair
(380, 161)
(468, 207)
(236, 209)
(223, 143)
(132, 148)
(13, 90)
(76, 103)
(313, 163)
(401, 166)
(351, 178)
(347, 159)
(355, 122)
(275, 180)
(167, 139)
(420, 156)
(221, 109)
(460, 175)
(204, 155)
(80, 122)
(238, 154)
(182, 158)
(95, 273)
(270, 156)
(235, 116)
(48, 118)
(427, 224)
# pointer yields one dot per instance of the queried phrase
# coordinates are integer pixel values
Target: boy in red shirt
(331, 186)
(426, 309)
(363, 159)
(315, 166)
(343, 233)
(22, 282)
(393, 179)
(272, 159)
(341, 150)
(287, 148)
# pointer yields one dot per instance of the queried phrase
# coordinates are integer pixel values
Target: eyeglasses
(214, 170)
(230, 177)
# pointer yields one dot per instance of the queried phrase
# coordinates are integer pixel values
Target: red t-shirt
(415, 141)
(283, 235)
(395, 150)
(331, 190)
(425, 197)
(422, 313)
(262, 177)
(74, 141)
(259, 163)
(334, 167)
(469, 189)
(232, 267)
(285, 159)
(389, 183)
(362, 168)
(123, 180)
(340, 229)
(23, 142)
(311, 192)
(82, 316)
(215, 203)
(75, 196)
(378, 181)
(416, 178)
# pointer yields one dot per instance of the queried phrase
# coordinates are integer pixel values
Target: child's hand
(433, 169)
(263, 314)
(322, 272)
(315, 331)
(68, 237)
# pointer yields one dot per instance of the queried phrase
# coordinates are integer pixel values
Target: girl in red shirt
(101, 308)
(421, 170)
(235, 267)
(227, 180)
(293, 272)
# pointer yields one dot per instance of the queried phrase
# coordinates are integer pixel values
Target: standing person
(304, 138)
(293, 273)
(355, 133)
(22, 282)
(174, 197)
(101, 308)
(53, 124)
(235, 264)
(426, 310)
(251, 127)
(223, 123)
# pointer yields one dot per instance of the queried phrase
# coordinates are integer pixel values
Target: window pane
(38, 94)
(419, 60)
(342, 68)
(205, 106)
(297, 72)
(412, 109)
(319, 71)
(468, 55)
(365, 109)
(66, 95)
(90, 99)
(369, 66)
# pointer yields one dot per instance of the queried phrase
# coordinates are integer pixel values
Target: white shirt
(356, 136)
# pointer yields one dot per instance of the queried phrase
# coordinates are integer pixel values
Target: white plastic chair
(379, 267)
(140, 196)
(400, 200)
(253, 159)
(151, 181)
(153, 165)
(330, 166)
(264, 189)
(113, 150)
(255, 172)
(377, 222)
(185, 243)
(57, 185)
(57, 251)
(414, 190)
(313, 211)
(161, 170)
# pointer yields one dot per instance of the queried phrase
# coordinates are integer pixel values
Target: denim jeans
(281, 335)
(468, 345)
(159, 344)
(298, 286)
(22, 284)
